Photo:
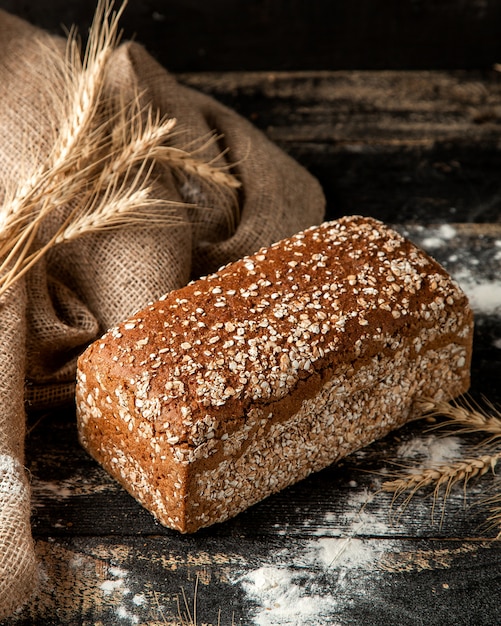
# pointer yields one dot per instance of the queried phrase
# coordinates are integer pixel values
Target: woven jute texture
(81, 288)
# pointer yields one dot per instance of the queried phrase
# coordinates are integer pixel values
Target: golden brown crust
(196, 371)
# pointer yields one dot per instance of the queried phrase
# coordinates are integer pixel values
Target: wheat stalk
(493, 520)
(76, 123)
(103, 162)
(188, 616)
(467, 418)
(147, 133)
(444, 475)
(50, 185)
(86, 76)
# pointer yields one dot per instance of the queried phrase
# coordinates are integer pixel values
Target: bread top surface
(259, 328)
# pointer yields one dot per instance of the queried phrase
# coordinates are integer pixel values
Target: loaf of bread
(247, 380)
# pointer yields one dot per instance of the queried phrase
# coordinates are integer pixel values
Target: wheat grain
(465, 416)
(142, 145)
(116, 209)
(49, 186)
(179, 158)
(103, 159)
(86, 74)
(444, 475)
(445, 472)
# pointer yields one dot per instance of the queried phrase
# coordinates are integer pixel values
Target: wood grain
(89, 581)
(401, 146)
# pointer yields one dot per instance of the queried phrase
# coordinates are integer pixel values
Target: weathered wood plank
(402, 146)
(311, 582)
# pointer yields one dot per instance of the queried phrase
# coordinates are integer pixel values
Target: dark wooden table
(420, 150)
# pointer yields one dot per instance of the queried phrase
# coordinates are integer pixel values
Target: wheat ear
(104, 156)
(465, 416)
(444, 475)
(76, 126)
(186, 161)
(143, 134)
(51, 184)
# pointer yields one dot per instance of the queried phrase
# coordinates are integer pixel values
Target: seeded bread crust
(249, 379)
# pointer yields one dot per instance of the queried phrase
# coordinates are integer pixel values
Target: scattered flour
(109, 586)
(281, 597)
(139, 599)
(117, 586)
(484, 296)
(484, 291)
(287, 588)
(118, 572)
(123, 613)
(345, 552)
(326, 575)
(444, 233)
(432, 449)
(356, 519)
(497, 255)
(311, 582)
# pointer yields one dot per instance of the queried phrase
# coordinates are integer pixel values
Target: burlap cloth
(81, 288)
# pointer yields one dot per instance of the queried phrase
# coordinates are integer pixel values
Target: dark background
(394, 105)
(200, 35)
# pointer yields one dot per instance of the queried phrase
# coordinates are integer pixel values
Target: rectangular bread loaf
(249, 379)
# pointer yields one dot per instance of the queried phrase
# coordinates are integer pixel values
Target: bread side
(248, 380)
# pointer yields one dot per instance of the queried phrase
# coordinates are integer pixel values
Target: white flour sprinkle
(444, 233)
(432, 450)
(139, 599)
(117, 586)
(287, 589)
(119, 572)
(123, 613)
(344, 552)
(281, 597)
(355, 519)
(484, 296)
(294, 595)
(484, 292)
(314, 582)
(109, 586)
